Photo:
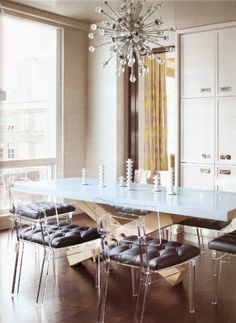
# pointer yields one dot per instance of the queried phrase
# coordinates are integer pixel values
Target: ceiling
(82, 10)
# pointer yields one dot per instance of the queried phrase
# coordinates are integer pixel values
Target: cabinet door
(197, 176)
(197, 130)
(225, 178)
(198, 64)
(226, 150)
(227, 62)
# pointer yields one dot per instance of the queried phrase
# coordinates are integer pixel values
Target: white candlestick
(122, 181)
(129, 164)
(101, 175)
(170, 189)
(84, 174)
(156, 186)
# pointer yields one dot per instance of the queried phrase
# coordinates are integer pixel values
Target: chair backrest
(143, 176)
(146, 176)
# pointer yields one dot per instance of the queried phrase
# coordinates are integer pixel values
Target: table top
(190, 202)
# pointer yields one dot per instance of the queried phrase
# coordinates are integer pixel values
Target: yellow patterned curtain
(155, 112)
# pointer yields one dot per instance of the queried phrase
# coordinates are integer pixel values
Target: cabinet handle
(225, 89)
(225, 172)
(206, 156)
(205, 90)
(205, 170)
(228, 157)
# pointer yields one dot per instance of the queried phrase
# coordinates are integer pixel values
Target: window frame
(56, 163)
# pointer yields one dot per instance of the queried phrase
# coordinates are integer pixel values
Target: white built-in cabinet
(208, 109)
(226, 40)
(197, 130)
(198, 64)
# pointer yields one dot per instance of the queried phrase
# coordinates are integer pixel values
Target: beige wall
(198, 13)
(75, 100)
(106, 117)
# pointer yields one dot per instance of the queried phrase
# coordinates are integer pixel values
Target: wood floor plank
(72, 297)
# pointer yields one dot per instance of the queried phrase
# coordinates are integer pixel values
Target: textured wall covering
(75, 100)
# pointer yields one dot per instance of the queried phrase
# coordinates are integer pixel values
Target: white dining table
(92, 199)
(215, 205)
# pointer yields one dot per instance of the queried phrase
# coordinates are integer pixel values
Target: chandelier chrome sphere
(130, 34)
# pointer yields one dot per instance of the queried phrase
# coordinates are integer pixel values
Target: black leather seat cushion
(129, 210)
(63, 236)
(205, 223)
(225, 243)
(35, 210)
(169, 253)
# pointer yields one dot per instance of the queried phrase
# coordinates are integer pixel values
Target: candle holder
(170, 189)
(129, 172)
(84, 176)
(101, 175)
(156, 185)
(122, 181)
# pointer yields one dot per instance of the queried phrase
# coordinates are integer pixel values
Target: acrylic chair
(223, 251)
(46, 226)
(144, 254)
(214, 227)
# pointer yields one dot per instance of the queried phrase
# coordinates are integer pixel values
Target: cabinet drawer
(197, 130)
(225, 178)
(226, 146)
(197, 176)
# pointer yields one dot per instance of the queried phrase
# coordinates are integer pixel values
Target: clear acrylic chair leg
(192, 286)
(142, 296)
(17, 250)
(20, 268)
(217, 268)
(103, 295)
(41, 275)
(134, 281)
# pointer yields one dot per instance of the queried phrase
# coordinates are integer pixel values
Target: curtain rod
(43, 15)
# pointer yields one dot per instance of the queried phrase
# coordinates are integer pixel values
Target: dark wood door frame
(133, 113)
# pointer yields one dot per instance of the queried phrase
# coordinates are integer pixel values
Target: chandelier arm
(148, 16)
(150, 26)
(156, 31)
(157, 44)
(139, 58)
(116, 13)
(106, 29)
(103, 44)
(125, 47)
(138, 10)
(146, 13)
(107, 61)
(106, 14)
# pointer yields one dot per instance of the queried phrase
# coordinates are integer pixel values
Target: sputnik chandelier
(130, 34)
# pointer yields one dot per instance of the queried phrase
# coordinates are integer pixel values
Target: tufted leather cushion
(63, 236)
(35, 210)
(205, 223)
(225, 243)
(169, 253)
(129, 210)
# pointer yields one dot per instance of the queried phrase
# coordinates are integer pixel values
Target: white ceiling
(78, 9)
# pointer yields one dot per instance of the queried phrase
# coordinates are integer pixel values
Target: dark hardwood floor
(72, 297)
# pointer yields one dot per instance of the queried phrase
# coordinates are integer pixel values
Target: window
(29, 116)
(10, 122)
(10, 150)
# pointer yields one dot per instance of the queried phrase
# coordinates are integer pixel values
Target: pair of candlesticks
(156, 183)
(101, 168)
